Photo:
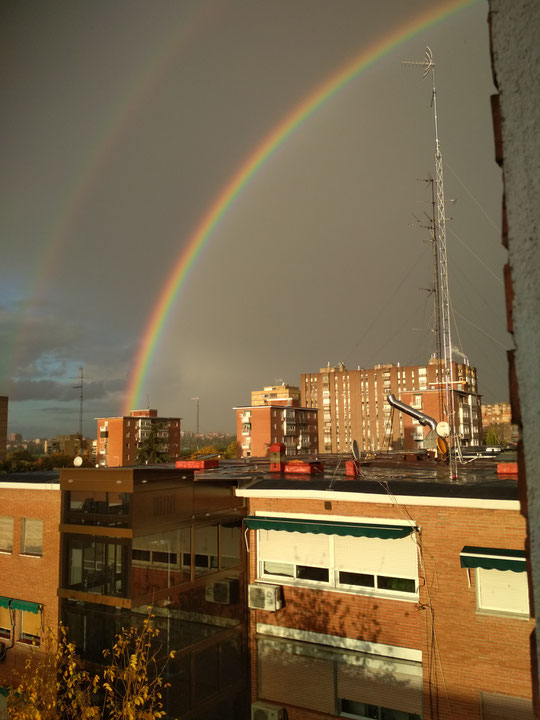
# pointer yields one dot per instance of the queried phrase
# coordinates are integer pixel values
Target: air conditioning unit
(264, 711)
(223, 592)
(265, 597)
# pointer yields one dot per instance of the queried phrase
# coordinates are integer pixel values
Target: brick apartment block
(397, 600)
(29, 564)
(118, 438)
(352, 404)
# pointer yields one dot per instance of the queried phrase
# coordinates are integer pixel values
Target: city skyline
(113, 159)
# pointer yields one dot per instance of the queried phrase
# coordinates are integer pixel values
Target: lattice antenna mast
(444, 295)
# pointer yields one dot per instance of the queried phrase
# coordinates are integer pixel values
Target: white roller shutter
(393, 558)
(502, 590)
(295, 547)
(496, 707)
(386, 687)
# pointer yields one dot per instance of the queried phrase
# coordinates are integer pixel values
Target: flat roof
(422, 479)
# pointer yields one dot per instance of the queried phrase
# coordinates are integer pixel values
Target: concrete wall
(515, 48)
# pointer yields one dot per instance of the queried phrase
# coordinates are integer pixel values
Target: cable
(385, 307)
(496, 342)
(469, 191)
(475, 256)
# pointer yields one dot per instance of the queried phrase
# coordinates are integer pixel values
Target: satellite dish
(78, 461)
(355, 450)
(443, 429)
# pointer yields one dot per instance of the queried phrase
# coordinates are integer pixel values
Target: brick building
(3, 425)
(497, 421)
(352, 403)
(388, 598)
(276, 395)
(257, 427)
(29, 564)
(118, 438)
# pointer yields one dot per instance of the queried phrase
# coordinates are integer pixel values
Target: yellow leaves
(133, 661)
(172, 654)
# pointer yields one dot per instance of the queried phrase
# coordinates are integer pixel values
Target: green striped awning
(327, 527)
(4, 602)
(24, 605)
(493, 558)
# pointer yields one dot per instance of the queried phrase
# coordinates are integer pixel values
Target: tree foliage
(150, 450)
(54, 685)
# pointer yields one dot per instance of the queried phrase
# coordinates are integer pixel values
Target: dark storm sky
(122, 121)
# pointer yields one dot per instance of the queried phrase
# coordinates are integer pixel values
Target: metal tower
(442, 261)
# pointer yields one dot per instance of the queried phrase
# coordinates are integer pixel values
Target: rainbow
(175, 42)
(228, 194)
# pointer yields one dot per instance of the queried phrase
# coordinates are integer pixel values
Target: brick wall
(469, 653)
(22, 577)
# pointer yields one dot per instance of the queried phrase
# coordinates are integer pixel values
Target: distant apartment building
(259, 426)
(66, 445)
(15, 438)
(119, 438)
(3, 425)
(497, 424)
(352, 404)
(276, 395)
(29, 565)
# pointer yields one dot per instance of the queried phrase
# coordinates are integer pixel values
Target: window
(323, 678)
(31, 537)
(6, 534)
(495, 706)
(502, 591)
(6, 619)
(364, 565)
(30, 627)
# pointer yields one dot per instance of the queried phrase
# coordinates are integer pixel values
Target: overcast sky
(121, 123)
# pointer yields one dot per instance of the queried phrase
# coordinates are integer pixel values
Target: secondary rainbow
(226, 197)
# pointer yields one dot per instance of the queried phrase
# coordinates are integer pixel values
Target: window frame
(23, 550)
(333, 583)
(6, 550)
(482, 610)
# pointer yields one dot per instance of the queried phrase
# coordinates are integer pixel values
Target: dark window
(398, 584)
(164, 557)
(361, 710)
(305, 572)
(97, 508)
(142, 555)
(96, 565)
(351, 578)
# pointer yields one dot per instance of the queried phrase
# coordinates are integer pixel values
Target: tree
(55, 686)
(151, 450)
(492, 435)
(232, 450)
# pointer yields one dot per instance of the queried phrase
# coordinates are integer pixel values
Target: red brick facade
(464, 651)
(26, 577)
(258, 427)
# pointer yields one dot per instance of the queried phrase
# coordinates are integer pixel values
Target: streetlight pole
(196, 399)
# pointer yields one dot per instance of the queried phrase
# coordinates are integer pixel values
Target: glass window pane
(206, 549)
(350, 578)
(275, 568)
(6, 534)
(398, 584)
(31, 536)
(231, 537)
(304, 572)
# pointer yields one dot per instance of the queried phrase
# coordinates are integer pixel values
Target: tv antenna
(81, 400)
(442, 267)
